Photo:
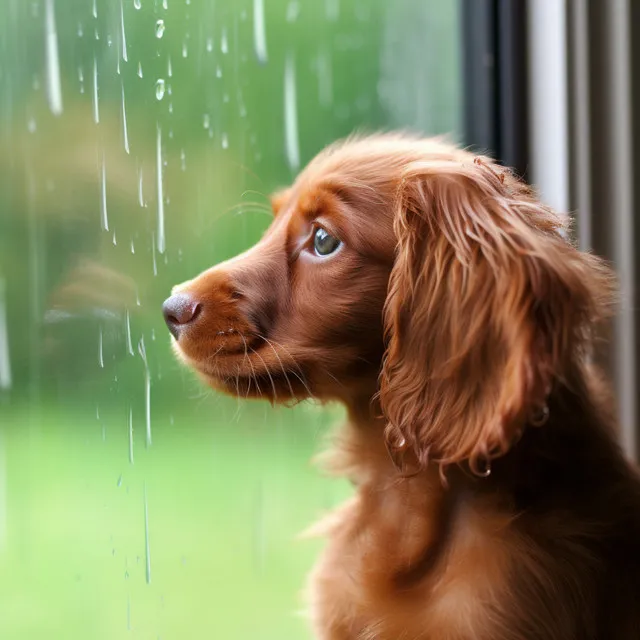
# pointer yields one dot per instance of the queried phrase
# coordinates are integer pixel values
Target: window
(140, 139)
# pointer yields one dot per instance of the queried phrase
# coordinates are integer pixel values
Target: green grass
(226, 498)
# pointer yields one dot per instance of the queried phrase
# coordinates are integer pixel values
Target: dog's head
(406, 267)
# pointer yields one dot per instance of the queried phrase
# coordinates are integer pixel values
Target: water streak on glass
(95, 9)
(125, 132)
(139, 70)
(5, 363)
(159, 28)
(137, 4)
(160, 88)
(104, 216)
(259, 31)
(54, 88)
(127, 323)
(147, 390)
(123, 34)
(292, 145)
(224, 43)
(100, 354)
(160, 192)
(140, 189)
(96, 108)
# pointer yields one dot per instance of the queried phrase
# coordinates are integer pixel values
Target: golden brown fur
(456, 324)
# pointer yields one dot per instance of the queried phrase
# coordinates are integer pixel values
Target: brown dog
(431, 293)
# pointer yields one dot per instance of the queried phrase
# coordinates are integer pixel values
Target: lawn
(226, 495)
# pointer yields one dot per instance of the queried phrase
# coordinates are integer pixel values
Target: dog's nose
(179, 310)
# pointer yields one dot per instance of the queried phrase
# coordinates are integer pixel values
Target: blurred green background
(139, 141)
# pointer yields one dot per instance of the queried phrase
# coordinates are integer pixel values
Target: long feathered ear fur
(488, 306)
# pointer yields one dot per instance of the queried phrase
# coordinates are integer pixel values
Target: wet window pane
(139, 140)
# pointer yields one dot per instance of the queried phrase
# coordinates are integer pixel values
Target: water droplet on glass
(109, 41)
(169, 69)
(139, 70)
(137, 4)
(224, 43)
(54, 87)
(183, 160)
(80, 30)
(171, 107)
(95, 9)
(104, 219)
(160, 193)
(259, 31)
(115, 244)
(218, 72)
(184, 50)
(165, 5)
(119, 482)
(225, 141)
(209, 45)
(206, 121)
(133, 248)
(159, 89)
(159, 28)
(292, 144)
(140, 190)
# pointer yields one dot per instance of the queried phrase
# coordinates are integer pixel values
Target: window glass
(139, 140)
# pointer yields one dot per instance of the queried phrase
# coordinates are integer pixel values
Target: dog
(429, 291)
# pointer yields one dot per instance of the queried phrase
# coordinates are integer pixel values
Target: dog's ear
(488, 305)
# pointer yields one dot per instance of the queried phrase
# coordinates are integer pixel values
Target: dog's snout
(179, 310)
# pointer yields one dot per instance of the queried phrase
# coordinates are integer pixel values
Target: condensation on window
(139, 140)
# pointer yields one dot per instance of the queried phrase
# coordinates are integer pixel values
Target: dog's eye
(323, 243)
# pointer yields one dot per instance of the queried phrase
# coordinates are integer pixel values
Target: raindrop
(139, 70)
(133, 250)
(225, 98)
(80, 30)
(153, 253)
(224, 43)
(209, 45)
(31, 125)
(259, 31)
(96, 108)
(292, 144)
(159, 28)
(171, 107)
(153, 337)
(119, 482)
(137, 4)
(109, 40)
(165, 5)
(104, 219)
(183, 160)
(125, 133)
(161, 241)
(225, 141)
(127, 320)
(147, 389)
(243, 15)
(115, 244)
(169, 69)
(124, 37)
(54, 88)
(218, 72)
(100, 356)
(5, 363)
(184, 50)
(206, 121)
(95, 9)
(159, 89)
(130, 435)
(146, 538)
